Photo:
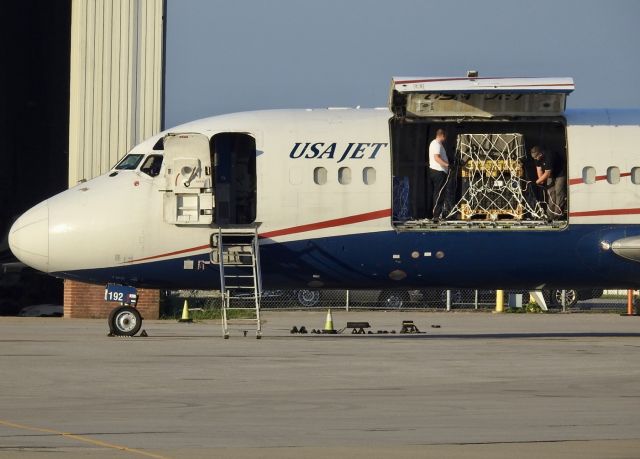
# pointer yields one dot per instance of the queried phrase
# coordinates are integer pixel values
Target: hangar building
(86, 85)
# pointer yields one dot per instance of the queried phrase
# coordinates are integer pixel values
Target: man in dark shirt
(552, 175)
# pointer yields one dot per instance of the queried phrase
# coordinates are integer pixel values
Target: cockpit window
(151, 165)
(129, 162)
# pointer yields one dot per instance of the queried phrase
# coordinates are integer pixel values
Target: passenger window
(151, 165)
(344, 175)
(635, 175)
(369, 175)
(613, 175)
(320, 175)
(589, 175)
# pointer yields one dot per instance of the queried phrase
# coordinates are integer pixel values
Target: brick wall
(87, 301)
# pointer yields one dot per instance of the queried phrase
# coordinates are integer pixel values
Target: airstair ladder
(237, 252)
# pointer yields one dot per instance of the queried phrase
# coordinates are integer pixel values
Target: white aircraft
(337, 197)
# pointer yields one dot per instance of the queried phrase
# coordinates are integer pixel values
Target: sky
(230, 56)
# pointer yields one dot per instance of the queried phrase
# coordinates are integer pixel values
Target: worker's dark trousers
(556, 197)
(435, 193)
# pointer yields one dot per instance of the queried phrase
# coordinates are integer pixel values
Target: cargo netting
(494, 185)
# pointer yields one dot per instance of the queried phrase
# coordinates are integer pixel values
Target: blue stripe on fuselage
(472, 259)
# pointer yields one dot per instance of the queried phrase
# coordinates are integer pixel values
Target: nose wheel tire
(125, 321)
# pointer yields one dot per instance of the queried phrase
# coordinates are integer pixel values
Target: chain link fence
(568, 300)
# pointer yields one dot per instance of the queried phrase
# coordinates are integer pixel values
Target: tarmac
(480, 385)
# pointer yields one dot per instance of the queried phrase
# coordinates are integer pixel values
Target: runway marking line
(81, 438)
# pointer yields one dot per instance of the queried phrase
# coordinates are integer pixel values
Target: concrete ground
(481, 385)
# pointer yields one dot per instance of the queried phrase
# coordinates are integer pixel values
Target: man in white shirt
(438, 169)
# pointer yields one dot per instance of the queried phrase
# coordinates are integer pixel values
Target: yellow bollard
(499, 300)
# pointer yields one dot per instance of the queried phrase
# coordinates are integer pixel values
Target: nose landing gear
(125, 319)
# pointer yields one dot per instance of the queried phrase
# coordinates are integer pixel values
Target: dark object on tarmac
(144, 333)
(294, 330)
(409, 327)
(245, 332)
(435, 326)
(303, 330)
(357, 328)
(329, 332)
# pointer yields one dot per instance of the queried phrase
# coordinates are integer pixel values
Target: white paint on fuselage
(114, 220)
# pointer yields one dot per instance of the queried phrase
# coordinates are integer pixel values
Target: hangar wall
(116, 81)
(115, 102)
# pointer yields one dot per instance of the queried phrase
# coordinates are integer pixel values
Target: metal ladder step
(237, 251)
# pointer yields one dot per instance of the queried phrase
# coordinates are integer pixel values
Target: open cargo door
(188, 194)
(478, 97)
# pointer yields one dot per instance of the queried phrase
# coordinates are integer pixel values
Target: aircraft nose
(29, 237)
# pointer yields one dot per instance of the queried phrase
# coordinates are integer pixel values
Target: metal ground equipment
(237, 252)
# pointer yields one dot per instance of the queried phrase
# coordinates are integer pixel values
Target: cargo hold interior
(410, 144)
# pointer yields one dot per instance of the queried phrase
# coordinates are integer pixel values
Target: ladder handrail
(257, 281)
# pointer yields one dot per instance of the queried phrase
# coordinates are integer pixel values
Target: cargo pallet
(469, 213)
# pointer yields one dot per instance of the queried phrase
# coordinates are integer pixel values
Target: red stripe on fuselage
(329, 223)
(168, 254)
(598, 213)
(294, 229)
(578, 181)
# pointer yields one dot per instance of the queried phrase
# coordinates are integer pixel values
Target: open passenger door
(478, 97)
(188, 194)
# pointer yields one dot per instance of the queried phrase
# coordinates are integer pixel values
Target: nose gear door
(188, 193)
